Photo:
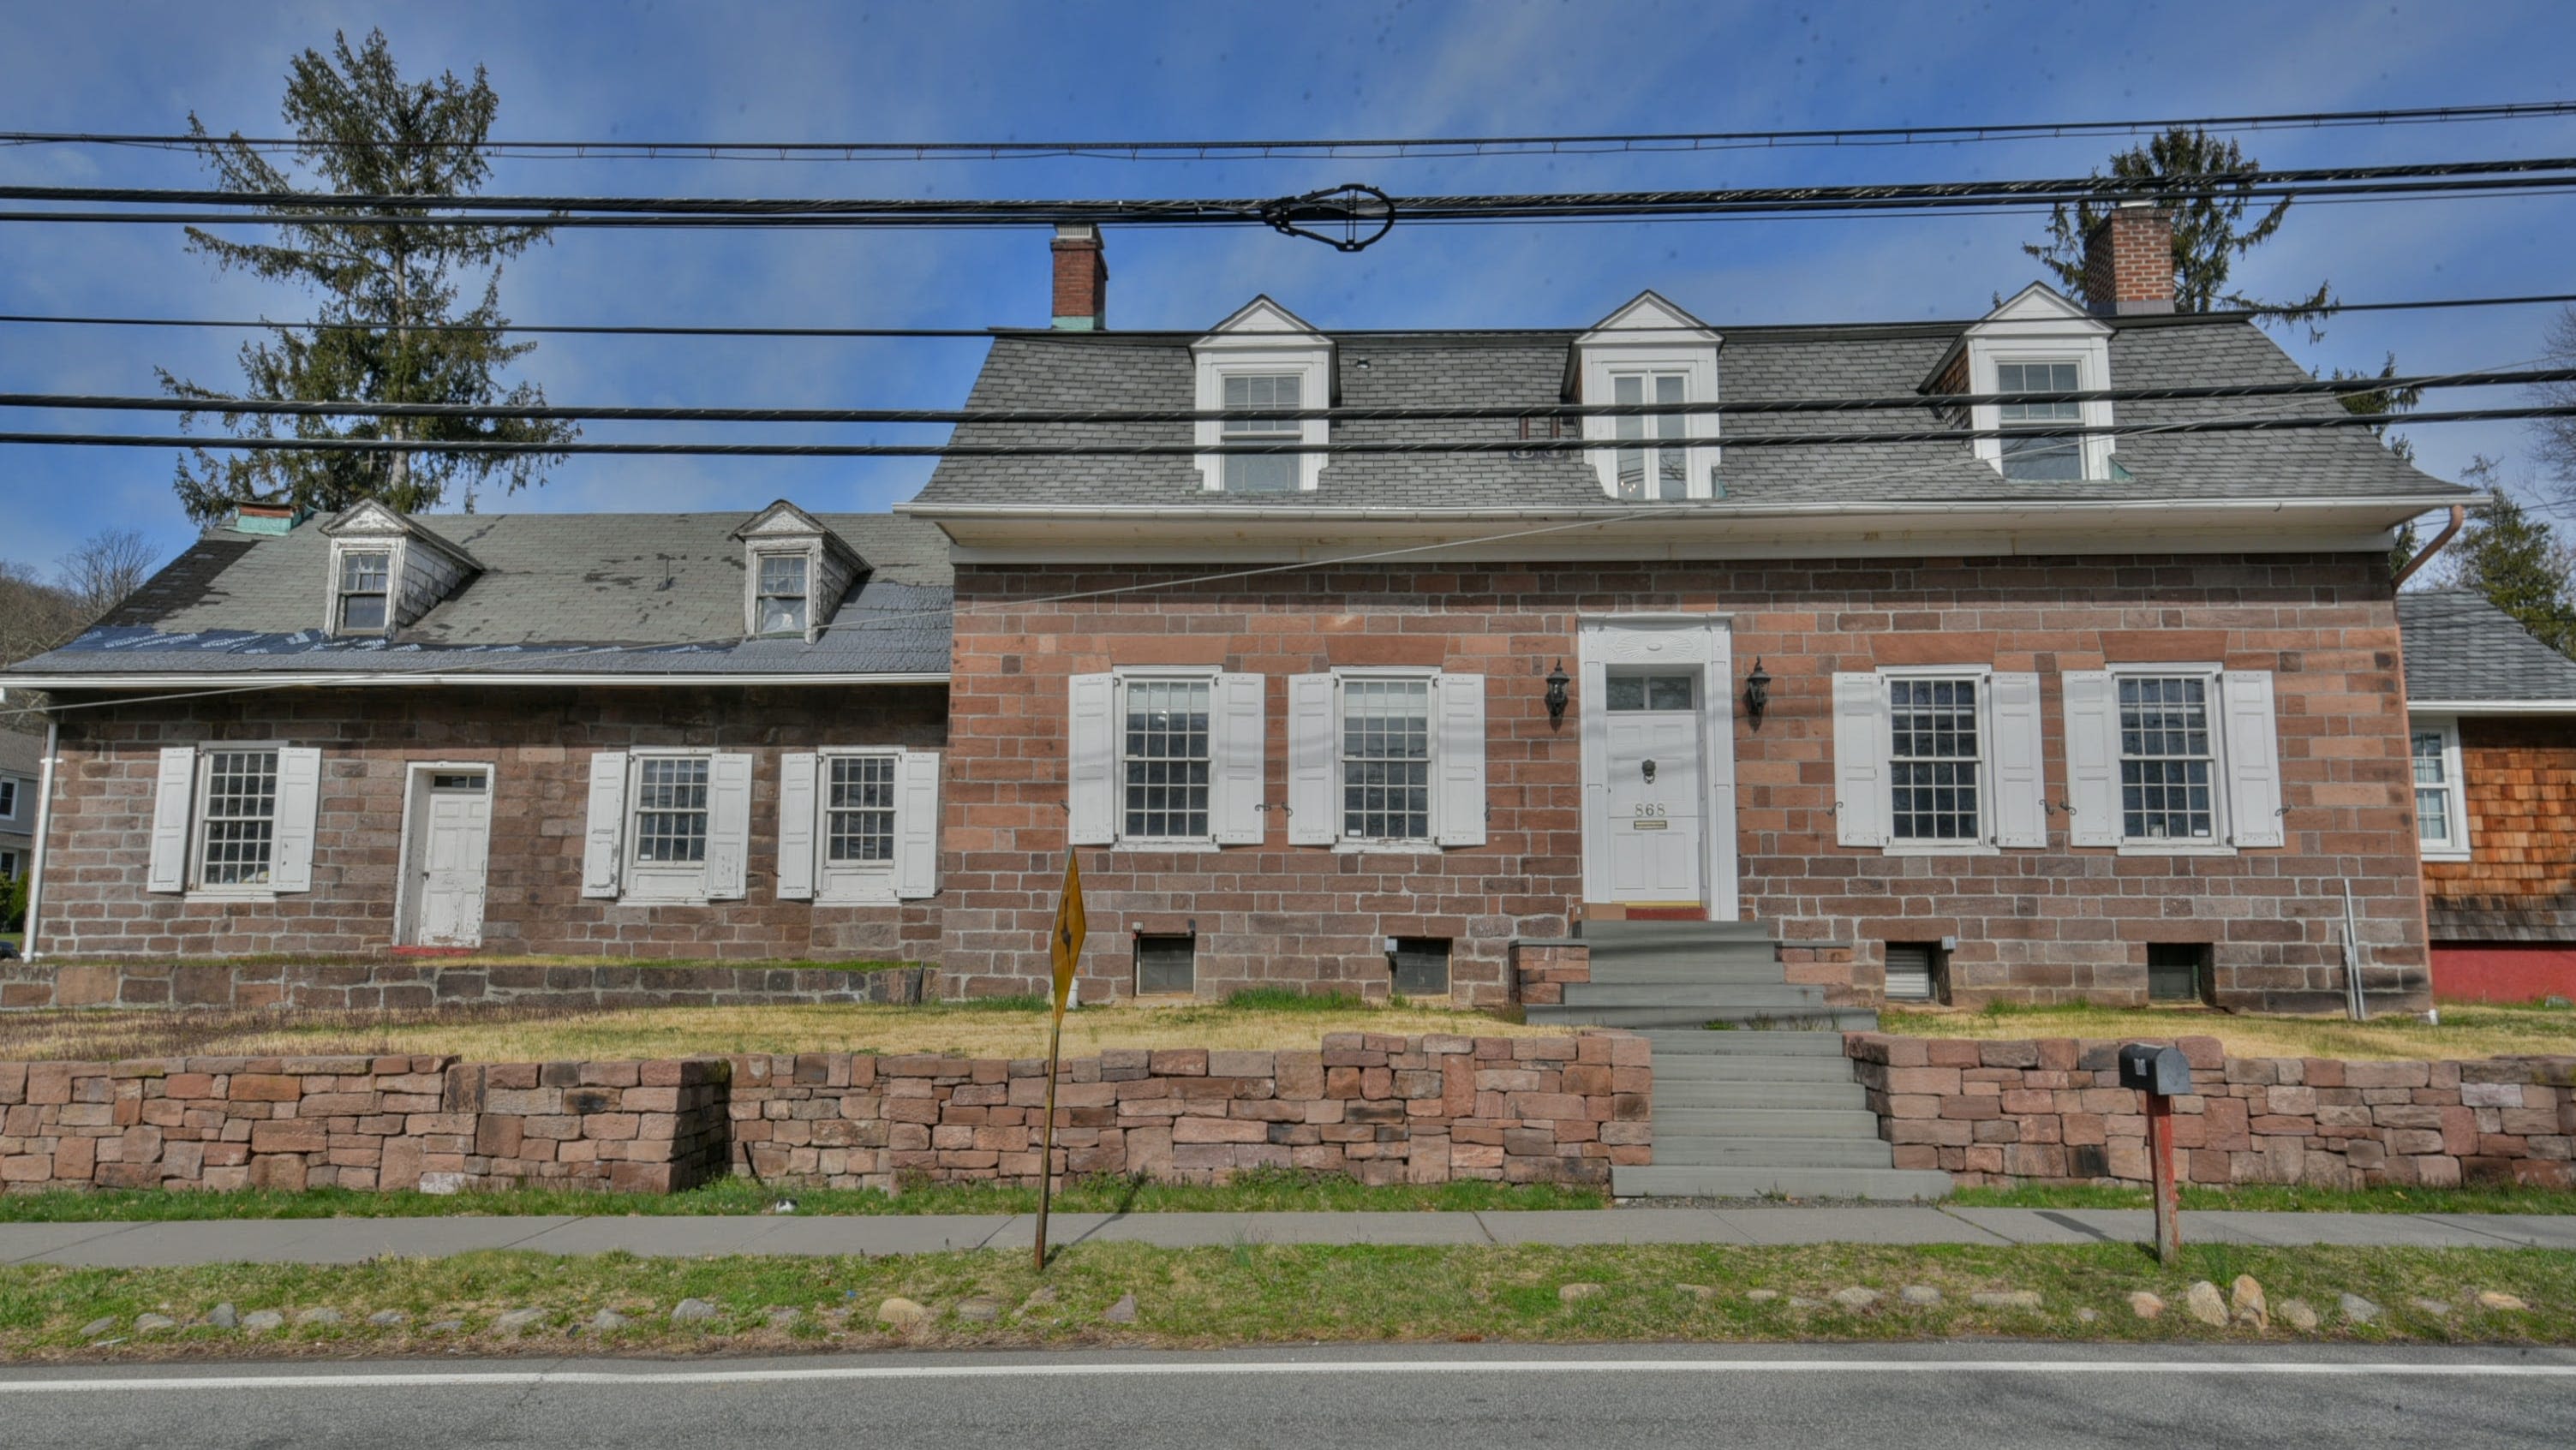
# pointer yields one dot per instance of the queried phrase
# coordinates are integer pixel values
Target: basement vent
(1909, 971)
(2178, 972)
(1166, 965)
(1421, 965)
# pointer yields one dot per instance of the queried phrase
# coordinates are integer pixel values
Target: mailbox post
(2161, 1074)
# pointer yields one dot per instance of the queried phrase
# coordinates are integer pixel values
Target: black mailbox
(2160, 1070)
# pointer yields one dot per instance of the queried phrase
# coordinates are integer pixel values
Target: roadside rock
(2206, 1304)
(2245, 1297)
(693, 1311)
(2357, 1309)
(318, 1316)
(2488, 1299)
(1921, 1295)
(1124, 1311)
(2088, 1316)
(2146, 1305)
(261, 1320)
(981, 1309)
(902, 1313)
(607, 1320)
(224, 1316)
(2298, 1315)
(2438, 1308)
(2005, 1299)
(1574, 1293)
(446, 1326)
(518, 1321)
(98, 1326)
(1761, 1296)
(1855, 1299)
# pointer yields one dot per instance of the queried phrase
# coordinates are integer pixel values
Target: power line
(1385, 148)
(988, 333)
(2263, 424)
(1331, 208)
(1911, 402)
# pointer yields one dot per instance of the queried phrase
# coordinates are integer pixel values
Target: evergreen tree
(382, 290)
(2519, 563)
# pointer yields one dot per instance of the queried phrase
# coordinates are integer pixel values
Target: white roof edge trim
(283, 679)
(2491, 707)
(1727, 513)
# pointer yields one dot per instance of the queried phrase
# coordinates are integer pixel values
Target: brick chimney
(1081, 278)
(2128, 261)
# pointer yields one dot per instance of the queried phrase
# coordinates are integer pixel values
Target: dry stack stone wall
(2053, 1110)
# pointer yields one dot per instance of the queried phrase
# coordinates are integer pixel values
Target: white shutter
(2021, 781)
(1459, 811)
(174, 798)
(299, 798)
(2253, 759)
(1237, 738)
(728, 826)
(1313, 750)
(1860, 760)
(1091, 762)
(607, 834)
(916, 824)
(796, 774)
(2092, 757)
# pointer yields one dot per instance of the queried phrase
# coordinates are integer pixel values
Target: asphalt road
(1921, 1397)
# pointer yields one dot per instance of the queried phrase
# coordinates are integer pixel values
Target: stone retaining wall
(1542, 970)
(1380, 1109)
(2052, 1110)
(428, 982)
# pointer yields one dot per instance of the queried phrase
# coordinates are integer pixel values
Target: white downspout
(44, 817)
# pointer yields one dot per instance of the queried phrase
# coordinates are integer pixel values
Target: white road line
(1203, 1368)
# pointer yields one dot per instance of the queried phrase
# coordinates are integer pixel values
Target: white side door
(1652, 822)
(455, 846)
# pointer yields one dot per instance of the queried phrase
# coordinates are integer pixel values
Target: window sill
(1944, 848)
(222, 893)
(1180, 847)
(1387, 848)
(2445, 853)
(2176, 848)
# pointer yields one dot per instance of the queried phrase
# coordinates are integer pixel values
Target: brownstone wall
(2044, 924)
(2519, 883)
(539, 741)
(2050, 1110)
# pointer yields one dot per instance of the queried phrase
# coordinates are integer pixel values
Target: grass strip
(1261, 1294)
(2284, 1198)
(1268, 1191)
(2466, 1030)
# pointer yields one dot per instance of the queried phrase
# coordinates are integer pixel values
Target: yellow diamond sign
(1065, 943)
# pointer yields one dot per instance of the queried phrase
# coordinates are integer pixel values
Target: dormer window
(2043, 440)
(1261, 472)
(366, 578)
(2038, 342)
(1645, 469)
(1649, 352)
(783, 594)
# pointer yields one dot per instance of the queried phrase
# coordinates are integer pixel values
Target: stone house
(19, 751)
(2493, 713)
(1982, 699)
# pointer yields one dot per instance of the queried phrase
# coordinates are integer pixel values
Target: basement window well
(1166, 966)
(1420, 965)
(2178, 972)
(1912, 969)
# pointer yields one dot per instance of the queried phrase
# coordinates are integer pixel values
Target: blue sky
(979, 71)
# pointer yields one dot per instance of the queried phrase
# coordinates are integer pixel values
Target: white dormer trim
(1262, 338)
(1646, 336)
(783, 530)
(422, 569)
(2037, 324)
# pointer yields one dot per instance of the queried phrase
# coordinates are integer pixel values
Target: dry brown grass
(2465, 1032)
(488, 1034)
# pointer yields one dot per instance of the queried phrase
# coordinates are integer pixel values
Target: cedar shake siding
(539, 742)
(2053, 923)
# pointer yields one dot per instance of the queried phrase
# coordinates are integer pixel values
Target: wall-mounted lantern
(1757, 691)
(1556, 683)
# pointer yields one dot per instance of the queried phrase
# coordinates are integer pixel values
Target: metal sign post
(1065, 948)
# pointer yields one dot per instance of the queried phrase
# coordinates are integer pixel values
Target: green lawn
(2284, 1198)
(1259, 1294)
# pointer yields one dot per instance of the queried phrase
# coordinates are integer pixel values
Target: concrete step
(1685, 1181)
(1764, 1122)
(1607, 931)
(1760, 1019)
(1679, 1070)
(1655, 949)
(1778, 996)
(1626, 973)
(1772, 1153)
(1676, 1094)
(1700, 1042)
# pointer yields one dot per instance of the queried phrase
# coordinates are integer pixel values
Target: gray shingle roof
(559, 593)
(2460, 647)
(1113, 370)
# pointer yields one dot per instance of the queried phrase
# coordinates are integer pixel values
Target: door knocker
(1650, 772)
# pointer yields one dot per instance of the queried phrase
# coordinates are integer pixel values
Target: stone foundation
(381, 984)
(2053, 1111)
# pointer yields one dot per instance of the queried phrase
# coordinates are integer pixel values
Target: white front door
(455, 809)
(1652, 826)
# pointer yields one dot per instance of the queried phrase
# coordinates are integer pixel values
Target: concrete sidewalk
(353, 1240)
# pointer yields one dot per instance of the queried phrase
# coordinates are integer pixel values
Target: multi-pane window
(2439, 822)
(365, 581)
(237, 837)
(670, 810)
(858, 810)
(8, 798)
(2051, 449)
(1386, 759)
(1932, 766)
(2166, 764)
(1649, 692)
(1165, 760)
(1261, 472)
(783, 594)
(1648, 471)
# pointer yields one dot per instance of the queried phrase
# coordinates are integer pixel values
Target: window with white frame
(1164, 781)
(2042, 440)
(1935, 749)
(1386, 759)
(858, 810)
(1166, 757)
(858, 825)
(667, 825)
(1383, 757)
(1932, 759)
(1261, 472)
(2441, 813)
(8, 865)
(237, 817)
(670, 810)
(8, 800)
(234, 819)
(1648, 466)
(2168, 761)
(366, 590)
(784, 602)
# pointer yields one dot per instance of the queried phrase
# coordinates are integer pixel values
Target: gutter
(44, 819)
(2491, 707)
(1665, 514)
(2459, 516)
